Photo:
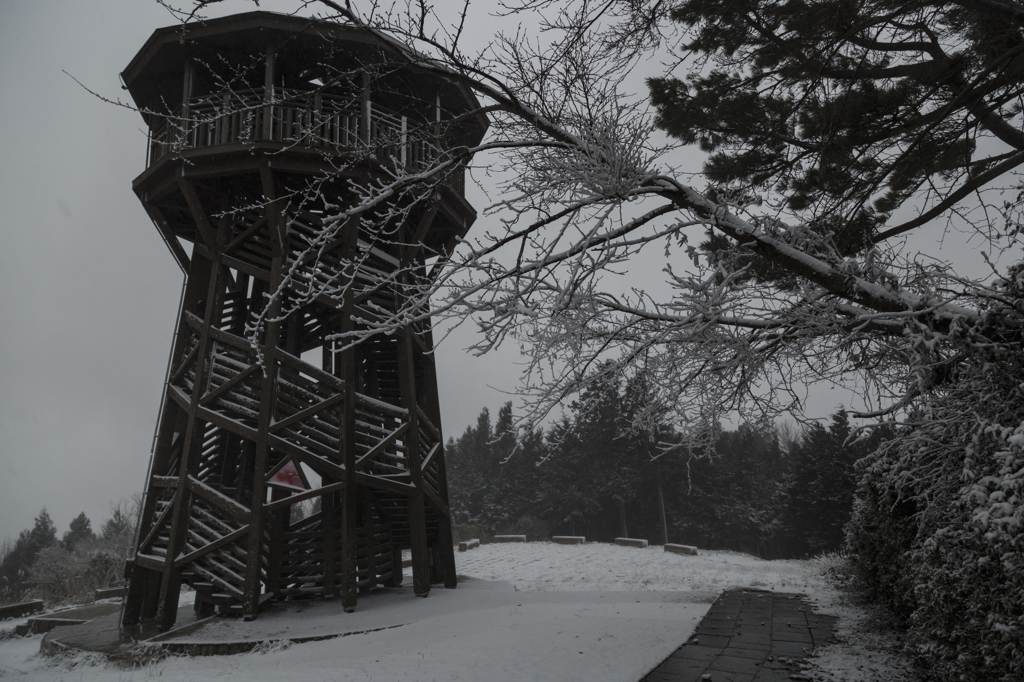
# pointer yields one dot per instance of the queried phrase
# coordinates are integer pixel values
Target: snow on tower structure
(263, 128)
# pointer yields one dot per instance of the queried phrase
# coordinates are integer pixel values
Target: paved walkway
(748, 636)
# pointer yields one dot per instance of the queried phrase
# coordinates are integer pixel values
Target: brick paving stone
(682, 666)
(714, 624)
(734, 664)
(718, 641)
(752, 640)
(696, 652)
(741, 651)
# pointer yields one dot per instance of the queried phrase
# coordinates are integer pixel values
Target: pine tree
(15, 566)
(847, 109)
(824, 481)
(79, 530)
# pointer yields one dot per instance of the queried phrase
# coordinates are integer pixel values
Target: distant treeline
(591, 474)
(38, 564)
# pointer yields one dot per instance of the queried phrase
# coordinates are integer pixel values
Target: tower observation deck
(297, 453)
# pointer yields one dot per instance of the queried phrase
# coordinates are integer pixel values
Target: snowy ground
(534, 611)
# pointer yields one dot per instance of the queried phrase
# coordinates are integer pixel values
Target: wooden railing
(303, 119)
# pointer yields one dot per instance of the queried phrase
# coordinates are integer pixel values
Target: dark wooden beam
(167, 234)
(216, 544)
(235, 510)
(380, 446)
(268, 389)
(195, 207)
(167, 609)
(347, 365)
(432, 408)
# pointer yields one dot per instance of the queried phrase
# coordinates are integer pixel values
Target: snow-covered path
(616, 612)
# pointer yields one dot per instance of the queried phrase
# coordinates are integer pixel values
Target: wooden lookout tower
(263, 129)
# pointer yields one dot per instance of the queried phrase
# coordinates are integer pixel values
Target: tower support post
(170, 585)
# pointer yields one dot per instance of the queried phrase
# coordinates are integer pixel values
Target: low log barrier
(631, 542)
(109, 593)
(21, 609)
(681, 549)
(568, 539)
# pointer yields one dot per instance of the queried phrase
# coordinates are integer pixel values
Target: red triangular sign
(288, 475)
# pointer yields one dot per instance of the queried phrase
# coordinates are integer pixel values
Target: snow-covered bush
(59, 575)
(70, 571)
(937, 527)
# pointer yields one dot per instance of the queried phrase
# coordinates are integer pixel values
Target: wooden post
(328, 502)
(432, 407)
(371, 536)
(186, 96)
(350, 496)
(328, 513)
(417, 513)
(661, 506)
(397, 571)
(170, 423)
(622, 519)
(170, 586)
(268, 390)
(268, 94)
(278, 524)
(367, 109)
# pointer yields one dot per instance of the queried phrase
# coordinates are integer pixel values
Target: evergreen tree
(824, 481)
(465, 459)
(118, 525)
(732, 500)
(567, 498)
(79, 530)
(847, 109)
(15, 566)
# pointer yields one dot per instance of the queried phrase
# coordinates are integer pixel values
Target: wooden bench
(108, 593)
(467, 545)
(631, 542)
(681, 549)
(510, 538)
(568, 539)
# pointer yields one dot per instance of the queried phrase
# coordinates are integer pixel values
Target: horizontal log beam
(234, 509)
(381, 445)
(216, 544)
(228, 385)
(381, 483)
(301, 497)
(309, 411)
(155, 530)
(149, 561)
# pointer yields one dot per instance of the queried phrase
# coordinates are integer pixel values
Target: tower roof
(154, 75)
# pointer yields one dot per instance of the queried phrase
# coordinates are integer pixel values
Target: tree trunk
(661, 507)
